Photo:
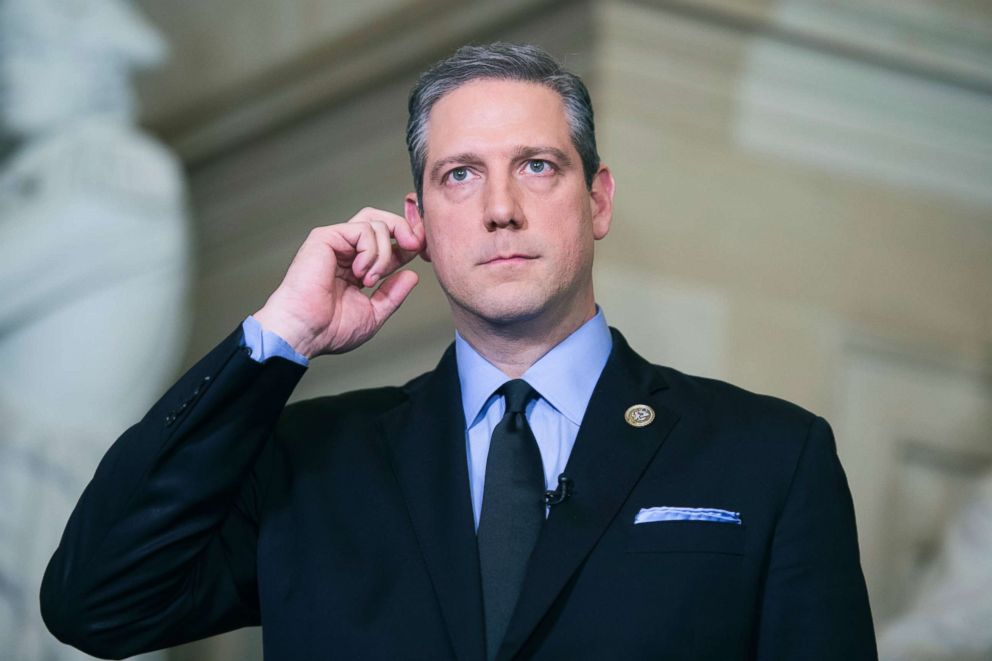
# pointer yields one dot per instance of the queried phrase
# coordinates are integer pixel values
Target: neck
(513, 347)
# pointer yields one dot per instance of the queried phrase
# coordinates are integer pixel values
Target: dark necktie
(512, 511)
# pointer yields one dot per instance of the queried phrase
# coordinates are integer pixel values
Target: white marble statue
(951, 619)
(93, 275)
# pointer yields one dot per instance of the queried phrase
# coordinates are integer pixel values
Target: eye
(537, 166)
(458, 175)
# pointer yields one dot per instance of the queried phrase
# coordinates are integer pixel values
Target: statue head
(61, 60)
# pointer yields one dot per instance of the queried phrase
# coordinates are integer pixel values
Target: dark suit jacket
(344, 526)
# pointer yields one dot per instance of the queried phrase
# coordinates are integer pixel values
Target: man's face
(510, 223)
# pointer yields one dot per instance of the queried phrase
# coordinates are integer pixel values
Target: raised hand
(320, 306)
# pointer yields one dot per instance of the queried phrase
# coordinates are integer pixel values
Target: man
(694, 521)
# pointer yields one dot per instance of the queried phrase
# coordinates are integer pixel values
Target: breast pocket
(686, 537)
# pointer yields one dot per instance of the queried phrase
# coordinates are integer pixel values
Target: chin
(509, 308)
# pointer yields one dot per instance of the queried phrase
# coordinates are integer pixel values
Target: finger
(384, 245)
(390, 258)
(350, 243)
(395, 259)
(366, 249)
(405, 256)
(391, 294)
(406, 237)
(409, 242)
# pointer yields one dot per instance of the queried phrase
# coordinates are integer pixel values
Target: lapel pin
(639, 415)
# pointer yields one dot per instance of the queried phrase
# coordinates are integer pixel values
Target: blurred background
(804, 208)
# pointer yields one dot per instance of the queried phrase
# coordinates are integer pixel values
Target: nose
(502, 207)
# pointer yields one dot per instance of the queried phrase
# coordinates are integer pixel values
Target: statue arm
(75, 248)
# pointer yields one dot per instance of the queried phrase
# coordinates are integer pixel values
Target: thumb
(391, 294)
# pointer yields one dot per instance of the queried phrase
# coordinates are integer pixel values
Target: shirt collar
(565, 376)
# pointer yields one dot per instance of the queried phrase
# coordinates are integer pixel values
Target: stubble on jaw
(512, 338)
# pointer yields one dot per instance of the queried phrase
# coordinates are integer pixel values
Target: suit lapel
(426, 440)
(607, 460)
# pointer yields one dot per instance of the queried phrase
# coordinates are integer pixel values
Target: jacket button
(169, 419)
(246, 350)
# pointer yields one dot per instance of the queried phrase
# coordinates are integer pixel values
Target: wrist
(290, 330)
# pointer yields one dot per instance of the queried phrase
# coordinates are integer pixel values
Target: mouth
(509, 259)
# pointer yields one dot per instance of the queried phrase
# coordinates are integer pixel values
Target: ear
(413, 216)
(601, 200)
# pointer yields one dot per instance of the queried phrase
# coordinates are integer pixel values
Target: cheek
(448, 221)
(575, 259)
(577, 255)
(442, 241)
(571, 233)
(446, 251)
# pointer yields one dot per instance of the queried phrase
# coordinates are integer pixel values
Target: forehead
(485, 115)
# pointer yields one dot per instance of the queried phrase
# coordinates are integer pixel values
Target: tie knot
(517, 393)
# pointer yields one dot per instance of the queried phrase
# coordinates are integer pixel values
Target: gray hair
(500, 61)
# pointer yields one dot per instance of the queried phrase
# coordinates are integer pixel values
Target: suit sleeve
(815, 602)
(160, 549)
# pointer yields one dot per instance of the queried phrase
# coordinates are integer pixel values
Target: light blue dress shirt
(266, 344)
(564, 378)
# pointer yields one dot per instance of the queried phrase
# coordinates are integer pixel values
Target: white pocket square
(652, 514)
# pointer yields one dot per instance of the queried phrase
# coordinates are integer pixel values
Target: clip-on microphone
(561, 494)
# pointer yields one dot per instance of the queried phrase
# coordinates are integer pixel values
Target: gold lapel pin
(639, 415)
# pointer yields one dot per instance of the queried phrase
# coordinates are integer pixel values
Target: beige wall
(224, 45)
(817, 280)
(784, 239)
(784, 219)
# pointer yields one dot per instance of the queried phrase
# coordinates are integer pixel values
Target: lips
(509, 258)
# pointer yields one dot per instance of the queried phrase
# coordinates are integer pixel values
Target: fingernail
(372, 278)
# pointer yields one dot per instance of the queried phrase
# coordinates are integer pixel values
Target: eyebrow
(519, 154)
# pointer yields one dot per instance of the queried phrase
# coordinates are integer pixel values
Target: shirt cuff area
(266, 344)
